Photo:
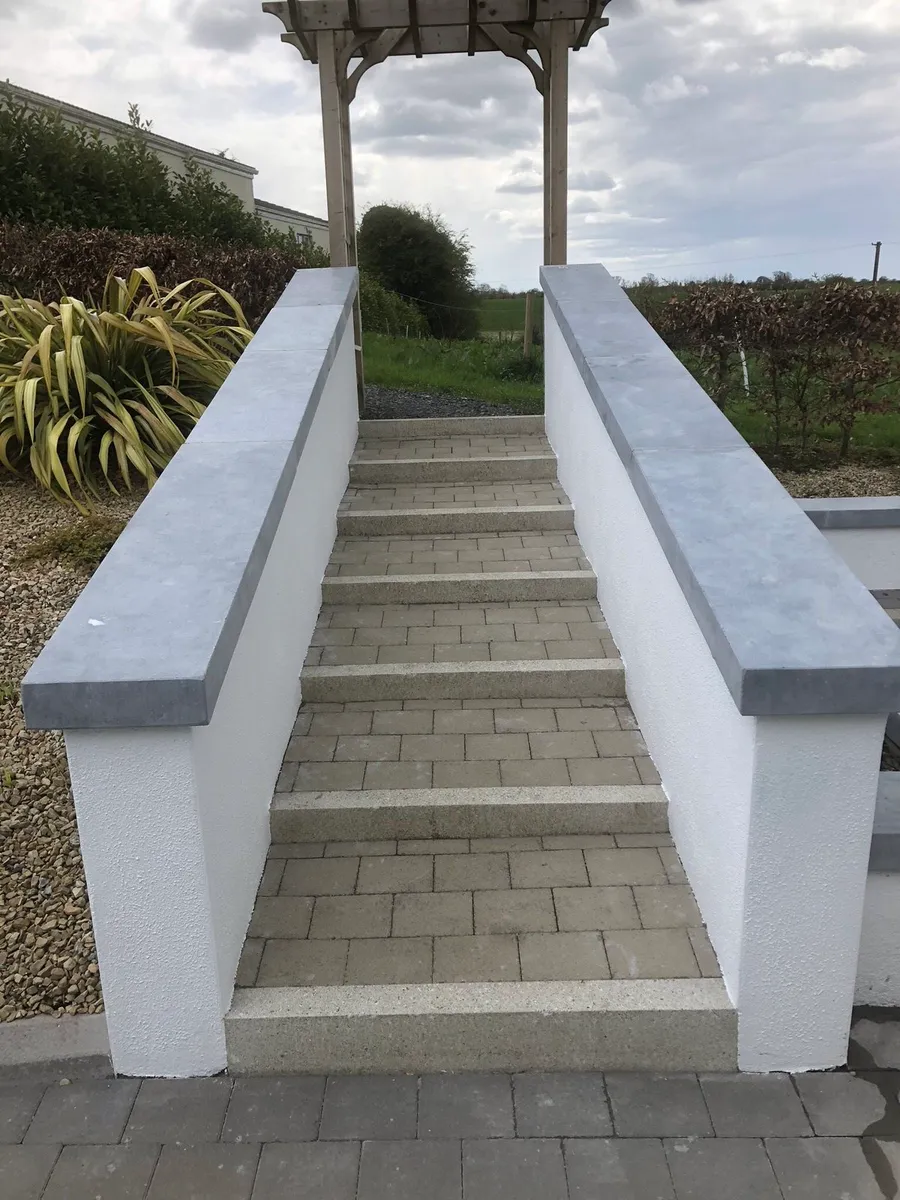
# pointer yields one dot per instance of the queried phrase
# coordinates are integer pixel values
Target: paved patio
(453, 1137)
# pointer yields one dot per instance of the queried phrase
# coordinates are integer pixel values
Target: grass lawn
(507, 314)
(482, 370)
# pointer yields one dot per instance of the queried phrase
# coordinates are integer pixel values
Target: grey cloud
(590, 181)
(405, 127)
(521, 187)
(233, 25)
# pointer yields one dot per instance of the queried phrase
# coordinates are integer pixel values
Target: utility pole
(529, 323)
(877, 246)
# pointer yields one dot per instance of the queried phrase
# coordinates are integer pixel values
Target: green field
(482, 369)
(506, 314)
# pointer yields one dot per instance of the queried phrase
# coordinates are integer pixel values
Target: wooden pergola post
(556, 146)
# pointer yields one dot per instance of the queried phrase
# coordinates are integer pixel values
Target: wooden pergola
(347, 37)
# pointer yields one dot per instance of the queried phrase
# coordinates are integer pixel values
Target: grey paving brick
(434, 846)
(524, 1169)
(398, 774)
(619, 744)
(846, 1104)
(297, 850)
(465, 1106)
(427, 914)
(396, 873)
(754, 1106)
(92, 1112)
(650, 954)
(333, 724)
(275, 1109)
(410, 1171)
(493, 845)
(627, 866)
(443, 747)
(721, 1169)
(561, 1104)
(24, 1170)
(483, 958)
(402, 722)
(389, 960)
(596, 908)
(225, 1172)
(470, 872)
(351, 917)
(545, 772)
(281, 917)
(822, 1168)
(523, 910)
(101, 1173)
(672, 864)
(704, 953)
(294, 962)
(636, 840)
(359, 849)
(467, 774)
(579, 841)
(363, 1107)
(645, 1105)
(505, 746)
(598, 772)
(465, 720)
(320, 877)
(178, 1110)
(271, 876)
(562, 745)
(525, 720)
(314, 1171)
(617, 1169)
(571, 720)
(646, 769)
(18, 1104)
(330, 777)
(548, 868)
(668, 906)
(563, 956)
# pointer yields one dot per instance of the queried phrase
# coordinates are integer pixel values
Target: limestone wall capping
(791, 629)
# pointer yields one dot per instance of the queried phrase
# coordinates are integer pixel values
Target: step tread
(412, 496)
(455, 426)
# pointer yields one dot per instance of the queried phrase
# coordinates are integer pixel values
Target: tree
(414, 252)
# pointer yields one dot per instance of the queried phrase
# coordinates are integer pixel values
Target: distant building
(236, 176)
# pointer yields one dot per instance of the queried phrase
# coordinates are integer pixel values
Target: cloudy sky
(706, 136)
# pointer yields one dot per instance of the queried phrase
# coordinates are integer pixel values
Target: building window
(305, 239)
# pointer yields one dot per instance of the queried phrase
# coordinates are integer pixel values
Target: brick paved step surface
(479, 587)
(505, 494)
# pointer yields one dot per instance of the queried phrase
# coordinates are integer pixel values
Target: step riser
(528, 680)
(467, 813)
(454, 470)
(425, 521)
(440, 427)
(486, 588)
(267, 1033)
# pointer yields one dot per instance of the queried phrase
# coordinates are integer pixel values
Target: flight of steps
(470, 863)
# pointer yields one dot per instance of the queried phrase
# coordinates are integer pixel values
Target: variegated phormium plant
(92, 397)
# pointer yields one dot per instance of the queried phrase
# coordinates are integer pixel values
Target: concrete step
(444, 427)
(489, 468)
(617, 1024)
(514, 519)
(484, 587)
(467, 813)
(507, 679)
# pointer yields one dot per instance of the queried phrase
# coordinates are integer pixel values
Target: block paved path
(452, 1137)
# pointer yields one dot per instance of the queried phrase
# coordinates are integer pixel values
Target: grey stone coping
(792, 630)
(853, 512)
(149, 640)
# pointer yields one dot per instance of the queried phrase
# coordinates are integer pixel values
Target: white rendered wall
(873, 555)
(878, 971)
(174, 823)
(772, 817)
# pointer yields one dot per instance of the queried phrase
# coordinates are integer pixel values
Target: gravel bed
(47, 959)
(393, 404)
(847, 479)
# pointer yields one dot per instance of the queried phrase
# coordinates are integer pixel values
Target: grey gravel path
(833, 1136)
(384, 404)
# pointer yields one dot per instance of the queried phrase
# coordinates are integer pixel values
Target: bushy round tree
(415, 253)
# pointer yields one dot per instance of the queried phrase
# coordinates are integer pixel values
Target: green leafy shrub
(90, 396)
(415, 254)
(385, 312)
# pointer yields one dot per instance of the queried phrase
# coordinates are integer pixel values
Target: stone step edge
(481, 587)
(415, 813)
(411, 429)
(535, 518)
(486, 469)
(615, 1024)
(528, 679)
